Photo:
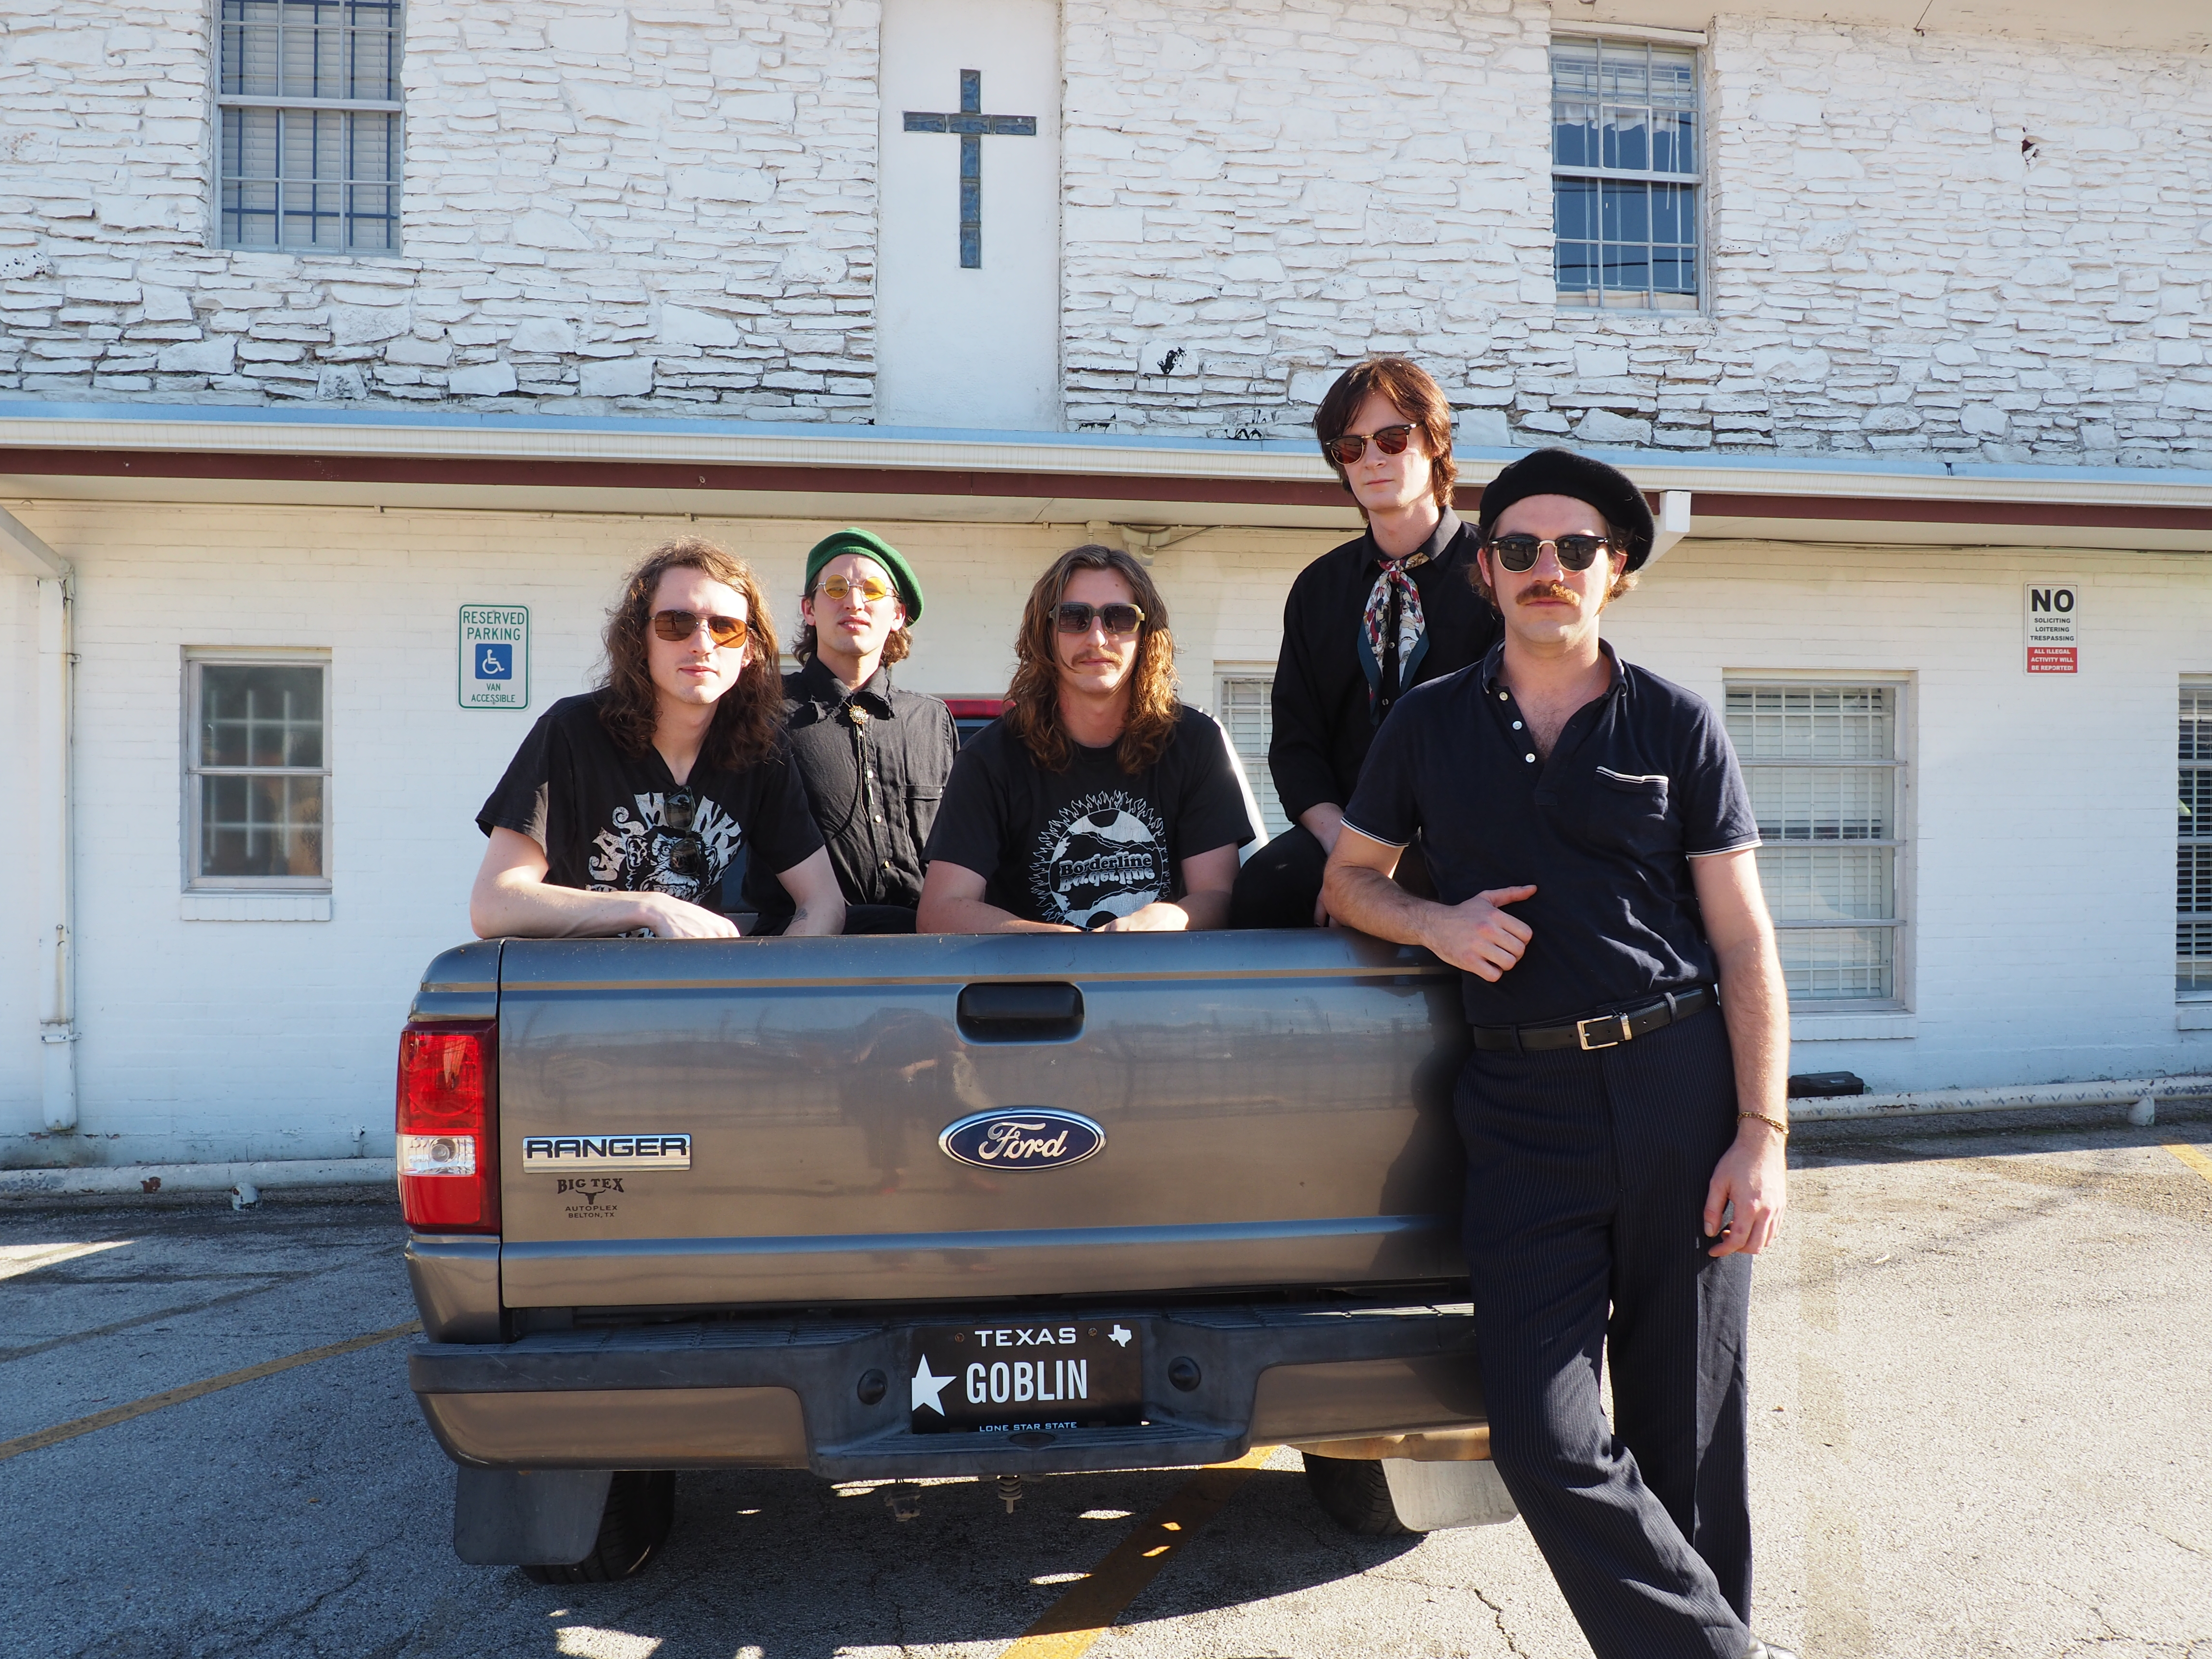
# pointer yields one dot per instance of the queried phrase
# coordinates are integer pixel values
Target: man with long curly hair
(1096, 802)
(625, 806)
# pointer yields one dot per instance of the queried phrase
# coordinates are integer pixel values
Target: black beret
(1562, 472)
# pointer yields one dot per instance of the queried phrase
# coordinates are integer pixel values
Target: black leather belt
(1600, 1030)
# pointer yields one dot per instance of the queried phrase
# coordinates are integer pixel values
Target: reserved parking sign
(494, 656)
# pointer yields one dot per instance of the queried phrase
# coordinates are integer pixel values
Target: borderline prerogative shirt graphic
(1101, 856)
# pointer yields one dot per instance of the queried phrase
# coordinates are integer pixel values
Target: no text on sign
(2054, 617)
(494, 656)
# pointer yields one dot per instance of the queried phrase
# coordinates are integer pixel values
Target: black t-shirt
(1642, 781)
(614, 823)
(1092, 843)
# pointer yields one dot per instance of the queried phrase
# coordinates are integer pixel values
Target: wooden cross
(971, 124)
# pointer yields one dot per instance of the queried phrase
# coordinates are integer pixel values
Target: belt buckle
(1583, 1034)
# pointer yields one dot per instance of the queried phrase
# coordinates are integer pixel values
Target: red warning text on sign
(2054, 612)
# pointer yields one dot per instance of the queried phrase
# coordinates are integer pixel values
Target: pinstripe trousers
(1586, 1186)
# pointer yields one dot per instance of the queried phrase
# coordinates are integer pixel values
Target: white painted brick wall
(656, 206)
(1273, 189)
(670, 206)
(2040, 819)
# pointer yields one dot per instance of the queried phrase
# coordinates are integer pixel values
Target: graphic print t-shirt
(614, 823)
(1092, 843)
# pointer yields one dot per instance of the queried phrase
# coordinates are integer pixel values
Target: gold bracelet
(1774, 1123)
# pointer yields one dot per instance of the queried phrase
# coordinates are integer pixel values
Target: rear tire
(1355, 1494)
(640, 1509)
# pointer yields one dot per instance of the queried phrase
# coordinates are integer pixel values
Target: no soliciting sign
(2054, 614)
(494, 656)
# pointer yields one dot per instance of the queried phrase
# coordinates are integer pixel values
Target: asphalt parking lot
(1982, 1375)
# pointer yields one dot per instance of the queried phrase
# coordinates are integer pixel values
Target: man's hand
(1477, 935)
(1157, 917)
(1754, 1175)
(676, 918)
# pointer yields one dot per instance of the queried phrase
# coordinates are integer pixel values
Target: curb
(271, 1175)
(2115, 1091)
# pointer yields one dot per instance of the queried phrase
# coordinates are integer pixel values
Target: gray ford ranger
(887, 1207)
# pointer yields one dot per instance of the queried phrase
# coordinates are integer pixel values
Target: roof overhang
(651, 465)
(2137, 25)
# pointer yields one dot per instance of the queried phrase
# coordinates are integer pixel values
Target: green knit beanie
(872, 547)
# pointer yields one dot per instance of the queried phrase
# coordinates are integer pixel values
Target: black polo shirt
(1642, 781)
(874, 760)
(1323, 722)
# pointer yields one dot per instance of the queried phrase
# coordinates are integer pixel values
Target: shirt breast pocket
(921, 806)
(1628, 811)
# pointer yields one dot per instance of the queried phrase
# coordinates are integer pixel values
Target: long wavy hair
(748, 724)
(1033, 699)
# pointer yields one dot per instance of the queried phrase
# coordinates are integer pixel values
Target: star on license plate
(1003, 1376)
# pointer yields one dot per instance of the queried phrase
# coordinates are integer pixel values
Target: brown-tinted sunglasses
(683, 624)
(1390, 440)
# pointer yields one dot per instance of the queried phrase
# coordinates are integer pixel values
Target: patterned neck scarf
(1375, 625)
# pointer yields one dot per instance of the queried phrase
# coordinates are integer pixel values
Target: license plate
(1011, 1375)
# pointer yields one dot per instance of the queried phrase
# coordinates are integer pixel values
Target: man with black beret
(1623, 1107)
(874, 758)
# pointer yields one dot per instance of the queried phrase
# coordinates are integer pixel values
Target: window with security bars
(308, 93)
(1626, 154)
(1822, 767)
(2192, 923)
(257, 773)
(1246, 712)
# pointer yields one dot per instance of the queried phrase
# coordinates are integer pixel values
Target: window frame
(223, 102)
(1699, 182)
(2194, 996)
(197, 659)
(1261, 779)
(1903, 887)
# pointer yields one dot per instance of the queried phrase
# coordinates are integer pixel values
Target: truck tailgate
(1275, 1110)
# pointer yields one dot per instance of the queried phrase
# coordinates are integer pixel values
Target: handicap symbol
(496, 662)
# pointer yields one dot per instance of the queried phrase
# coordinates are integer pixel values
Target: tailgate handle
(1020, 1012)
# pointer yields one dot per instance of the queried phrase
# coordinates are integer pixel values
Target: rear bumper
(784, 1394)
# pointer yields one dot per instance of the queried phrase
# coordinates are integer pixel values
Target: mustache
(1539, 591)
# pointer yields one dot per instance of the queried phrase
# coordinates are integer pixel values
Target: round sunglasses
(1521, 552)
(1390, 440)
(871, 590)
(1073, 617)
(680, 625)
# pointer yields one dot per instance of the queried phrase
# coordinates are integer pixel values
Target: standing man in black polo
(1623, 1110)
(873, 758)
(1364, 623)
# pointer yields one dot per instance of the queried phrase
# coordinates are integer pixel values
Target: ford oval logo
(1022, 1138)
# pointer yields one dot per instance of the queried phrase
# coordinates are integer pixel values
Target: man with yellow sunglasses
(872, 756)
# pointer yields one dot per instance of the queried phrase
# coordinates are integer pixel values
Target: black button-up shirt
(874, 760)
(1324, 719)
(1642, 781)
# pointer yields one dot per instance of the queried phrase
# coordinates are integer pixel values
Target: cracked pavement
(1982, 1371)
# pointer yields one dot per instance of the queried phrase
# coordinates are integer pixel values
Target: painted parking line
(154, 1402)
(2195, 1159)
(1067, 1629)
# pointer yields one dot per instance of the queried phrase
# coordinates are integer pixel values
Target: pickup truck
(899, 1207)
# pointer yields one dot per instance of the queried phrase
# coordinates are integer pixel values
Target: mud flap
(1431, 1496)
(527, 1517)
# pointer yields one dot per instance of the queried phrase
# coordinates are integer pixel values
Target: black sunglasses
(1390, 440)
(683, 624)
(1073, 617)
(1520, 552)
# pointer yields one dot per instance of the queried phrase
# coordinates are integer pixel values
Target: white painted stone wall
(664, 204)
(1944, 246)
(1965, 247)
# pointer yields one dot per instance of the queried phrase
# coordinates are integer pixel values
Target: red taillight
(448, 1153)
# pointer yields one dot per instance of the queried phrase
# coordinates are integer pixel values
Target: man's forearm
(1755, 1002)
(951, 915)
(517, 909)
(1324, 821)
(1371, 901)
(816, 918)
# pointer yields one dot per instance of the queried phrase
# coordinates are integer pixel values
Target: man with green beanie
(873, 758)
